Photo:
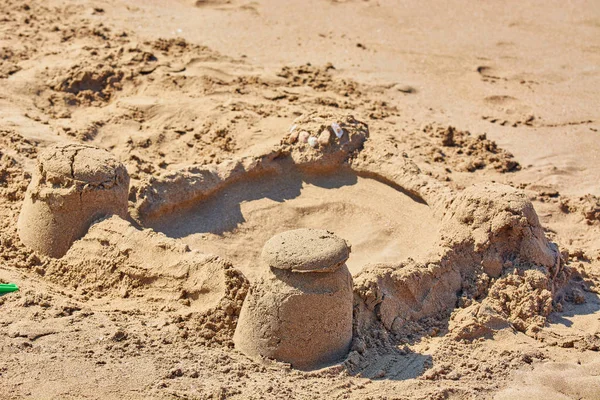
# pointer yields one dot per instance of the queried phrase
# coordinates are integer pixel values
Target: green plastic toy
(8, 287)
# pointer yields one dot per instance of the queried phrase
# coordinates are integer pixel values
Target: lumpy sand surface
(381, 223)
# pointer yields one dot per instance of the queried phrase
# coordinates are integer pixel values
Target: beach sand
(460, 291)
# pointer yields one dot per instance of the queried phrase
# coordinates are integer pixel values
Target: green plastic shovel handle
(8, 287)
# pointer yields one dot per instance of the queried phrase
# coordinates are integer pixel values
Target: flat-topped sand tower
(73, 186)
(301, 311)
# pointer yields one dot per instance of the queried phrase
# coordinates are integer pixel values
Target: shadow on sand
(222, 212)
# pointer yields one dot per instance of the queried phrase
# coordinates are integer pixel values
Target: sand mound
(115, 258)
(492, 250)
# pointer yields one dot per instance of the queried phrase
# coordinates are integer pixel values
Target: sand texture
(350, 199)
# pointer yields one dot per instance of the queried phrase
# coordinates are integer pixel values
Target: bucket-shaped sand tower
(73, 186)
(300, 312)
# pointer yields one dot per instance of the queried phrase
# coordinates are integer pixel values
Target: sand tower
(73, 186)
(300, 312)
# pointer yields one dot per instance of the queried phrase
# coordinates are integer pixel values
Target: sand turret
(300, 312)
(73, 186)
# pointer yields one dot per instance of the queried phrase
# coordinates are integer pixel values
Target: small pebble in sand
(303, 137)
(293, 138)
(324, 137)
(312, 141)
(339, 132)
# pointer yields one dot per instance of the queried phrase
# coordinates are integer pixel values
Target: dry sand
(464, 288)
(238, 221)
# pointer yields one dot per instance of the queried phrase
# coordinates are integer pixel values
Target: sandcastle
(301, 311)
(489, 237)
(73, 186)
(486, 232)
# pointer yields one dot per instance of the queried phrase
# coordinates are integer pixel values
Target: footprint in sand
(489, 74)
(205, 3)
(228, 5)
(507, 110)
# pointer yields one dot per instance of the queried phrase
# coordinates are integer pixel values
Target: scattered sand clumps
(465, 152)
(300, 312)
(588, 206)
(73, 186)
(88, 84)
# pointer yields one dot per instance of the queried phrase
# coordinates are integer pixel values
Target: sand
(464, 180)
(301, 310)
(73, 187)
(239, 220)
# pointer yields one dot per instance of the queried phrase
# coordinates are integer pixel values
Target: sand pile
(493, 261)
(116, 259)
